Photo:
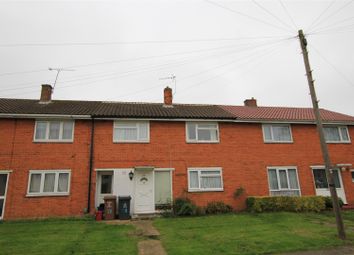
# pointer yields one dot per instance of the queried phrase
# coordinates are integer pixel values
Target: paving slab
(146, 228)
(151, 247)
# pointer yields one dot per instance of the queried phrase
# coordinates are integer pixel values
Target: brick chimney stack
(167, 96)
(250, 102)
(46, 93)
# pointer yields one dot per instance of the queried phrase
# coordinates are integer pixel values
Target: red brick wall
(241, 153)
(20, 154)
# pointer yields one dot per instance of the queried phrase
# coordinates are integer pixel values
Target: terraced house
(59, 157)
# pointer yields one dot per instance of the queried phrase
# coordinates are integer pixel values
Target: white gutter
(48, 116)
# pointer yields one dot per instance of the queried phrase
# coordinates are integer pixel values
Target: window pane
(336, 179)
(283, 179)
(204, 135)
(143, 131)
(344, 133)
(210, 182)
(320, 178)
(210, 172)
(54, 129)
(63, 182)
(193, 180)
(126, 134)
(68, 130)
(106, 184)
(281, 133)
(293, 179)
(35, 183)
(191, 128)
(331, 134)
(49, 181)
(267, 133)
(273, 181)
(162, 187)
(3, 180)
(207, 126)
(353, 176)
(41, 128)
(1, 206)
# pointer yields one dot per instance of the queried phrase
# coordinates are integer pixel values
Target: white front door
(144, 191)
(3, 187)
(321, 183)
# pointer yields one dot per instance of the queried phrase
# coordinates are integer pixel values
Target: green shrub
(184, 207)
(329, 204)
(217, 207)
(285, 203)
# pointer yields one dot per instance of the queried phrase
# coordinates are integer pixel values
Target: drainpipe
(90, 164)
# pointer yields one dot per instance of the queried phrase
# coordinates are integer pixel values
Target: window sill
(52, 141)
(127, 142)
(279, 142)
(48, 195)
(191, 142)
(205, 190)
(338, 142)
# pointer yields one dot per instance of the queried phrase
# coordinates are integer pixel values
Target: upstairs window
(131, 131)
(48, 183)
(205, 179)
(202, 132)
(283, 181)
(277, 133)
(54, 131)
(336, 134)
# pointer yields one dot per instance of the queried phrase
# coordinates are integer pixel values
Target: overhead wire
(320, 15)
(90, 76)
(119, 75)
(126, 60)
(231, 69)
(246, 15)
(288, 13)
(271, 14)
(336, 12)
(343, 76)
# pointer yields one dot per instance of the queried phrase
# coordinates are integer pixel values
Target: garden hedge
(284, 203)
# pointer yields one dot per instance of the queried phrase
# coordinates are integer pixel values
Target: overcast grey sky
(221, 52)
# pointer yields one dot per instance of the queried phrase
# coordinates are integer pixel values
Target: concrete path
(150, 246)
(343, 250)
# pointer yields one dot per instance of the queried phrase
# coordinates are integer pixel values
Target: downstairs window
(283, 181)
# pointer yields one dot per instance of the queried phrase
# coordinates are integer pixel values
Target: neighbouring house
(61, 157)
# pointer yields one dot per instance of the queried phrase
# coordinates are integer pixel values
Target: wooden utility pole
(324, 148)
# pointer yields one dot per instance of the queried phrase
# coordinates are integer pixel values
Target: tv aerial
(172, 77)
(58, 70)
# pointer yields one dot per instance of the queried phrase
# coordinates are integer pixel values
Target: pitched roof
(159, 111)
(284, 114)
(113, 109)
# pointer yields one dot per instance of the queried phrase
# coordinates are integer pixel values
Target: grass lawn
(66, 237)
(266, 233)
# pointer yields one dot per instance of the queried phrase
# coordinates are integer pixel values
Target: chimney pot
(46, 93)
(167, 96)
(251, 102)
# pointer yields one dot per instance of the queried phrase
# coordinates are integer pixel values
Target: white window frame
(199, 169)
(271, 131)
(196, 140)
(60, 140)
(116, 122)
(277, 168)
(340, 134)
(7, 172)
(56, 182)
